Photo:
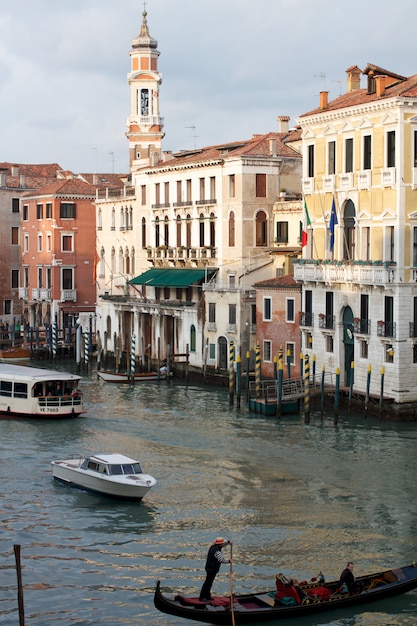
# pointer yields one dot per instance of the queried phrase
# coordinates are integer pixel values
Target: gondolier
(214, 559)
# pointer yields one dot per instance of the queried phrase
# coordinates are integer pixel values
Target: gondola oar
(232, 608)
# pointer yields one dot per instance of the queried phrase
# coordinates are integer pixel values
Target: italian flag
(306, 224)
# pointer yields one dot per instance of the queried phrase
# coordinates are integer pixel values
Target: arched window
(212, 230)
(166, 230)
(192, 338)
(231, 229)
(130, 223)
(113, 219)
(188, 231)
(349, 215)
(102, 266)
(178, 231)
(201, 230)
(143, 232)
(99, 220)
(113, 260)
(132, 260)
(261, 229)
(121, 261)
(108, 326)
(127, 261)
(157, 234)
(122, 219)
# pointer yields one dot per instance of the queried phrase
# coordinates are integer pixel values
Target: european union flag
(333, 222)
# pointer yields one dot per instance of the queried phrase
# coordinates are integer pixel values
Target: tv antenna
(340, 85)
(322, 77)
(193, 134)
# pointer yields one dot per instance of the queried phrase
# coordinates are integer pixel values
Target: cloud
(230, 67)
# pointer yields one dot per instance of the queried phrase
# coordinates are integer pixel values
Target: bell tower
(144, 125)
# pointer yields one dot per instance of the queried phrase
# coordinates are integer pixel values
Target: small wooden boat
(113, 475)
(275, 604)
(125, 377)
(18, 353)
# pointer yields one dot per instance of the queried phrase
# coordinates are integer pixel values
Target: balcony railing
(358, 272)
(362, 326)
(181, 253)
(68, 295)
(306, 318)
(23, 293)
(326, 322)
(388, 177)
(385, 329)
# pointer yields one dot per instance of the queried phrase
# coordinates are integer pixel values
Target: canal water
(293, 498)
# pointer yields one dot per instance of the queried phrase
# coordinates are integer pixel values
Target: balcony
(308, 185)
(23, 293)
(326, 322)
(385, 329)
(208, 202)
(361, 326)
(181, 254)
(306, 318)
(346, 180)
(388, 177)
(364, 179)
(329, 183)
(68, 295)
(352, 272)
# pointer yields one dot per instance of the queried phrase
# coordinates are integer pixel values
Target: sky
(229, 68)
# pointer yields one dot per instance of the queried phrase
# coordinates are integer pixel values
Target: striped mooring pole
(133, 357)
(258, 370)
(231, 372)
(306, 389)
(55, 336)
(86, 347)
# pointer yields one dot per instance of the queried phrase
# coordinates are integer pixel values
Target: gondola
(298, 600)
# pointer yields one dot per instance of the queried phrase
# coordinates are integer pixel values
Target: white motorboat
(113, 475)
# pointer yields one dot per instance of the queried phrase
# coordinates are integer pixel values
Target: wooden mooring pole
(16, 548)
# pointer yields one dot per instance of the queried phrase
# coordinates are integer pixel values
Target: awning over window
(160, 277)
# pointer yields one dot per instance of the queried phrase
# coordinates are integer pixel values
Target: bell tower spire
(144, 124)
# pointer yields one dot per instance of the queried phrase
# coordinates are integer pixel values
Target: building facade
(181, 246)
(58, 253)
(15, 181)
(358, 269)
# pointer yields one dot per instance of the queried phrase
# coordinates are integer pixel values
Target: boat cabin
(113, 466)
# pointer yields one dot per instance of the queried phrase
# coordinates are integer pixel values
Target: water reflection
(295, 499)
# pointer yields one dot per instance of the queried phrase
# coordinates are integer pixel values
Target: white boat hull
(115, 377)
(133, 487)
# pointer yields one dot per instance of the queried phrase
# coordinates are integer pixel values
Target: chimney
(324, 99)
(273, 147)
(353, 78)
(22, 181)
(380, 82)
(283, 123)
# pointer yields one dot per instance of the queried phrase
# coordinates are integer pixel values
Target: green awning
(160, 277)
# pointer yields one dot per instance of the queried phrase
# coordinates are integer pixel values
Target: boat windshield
(126, 468)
